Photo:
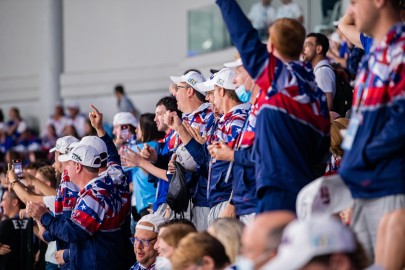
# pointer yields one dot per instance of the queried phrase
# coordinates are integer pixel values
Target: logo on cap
(76, 157)
(192, 81)
(220, 81)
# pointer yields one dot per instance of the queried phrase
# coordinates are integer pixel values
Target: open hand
(131, 159)
(195, 133)
(221, 151)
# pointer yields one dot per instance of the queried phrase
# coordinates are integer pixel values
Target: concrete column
(51, 58)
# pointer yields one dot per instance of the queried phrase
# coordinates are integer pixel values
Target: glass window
(207, 31)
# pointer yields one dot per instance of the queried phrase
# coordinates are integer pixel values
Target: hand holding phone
(17, 163)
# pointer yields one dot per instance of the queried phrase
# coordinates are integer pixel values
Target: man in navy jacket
(292, 126)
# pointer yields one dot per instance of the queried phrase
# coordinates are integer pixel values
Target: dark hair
(200, 96)
(191, 69)
(176, 221)
(149, 128)
(92, 131)
(37, 164)
(322, 40)
(91, 169)
(17, 111)
(232, 95)
(73, 133)
(170, 103)
(398, 4)
(48, 172)
(13, 196)
(40, 156)
(119, 89)
(1, 116)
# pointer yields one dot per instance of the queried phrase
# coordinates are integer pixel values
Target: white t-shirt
(49, 201)
(59, 124)
(325, 77)
(291, 10)
(79, 123)
(261, 16)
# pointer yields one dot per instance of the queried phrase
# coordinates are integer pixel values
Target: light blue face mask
(243, 94)
(243, 263)
(163, 263)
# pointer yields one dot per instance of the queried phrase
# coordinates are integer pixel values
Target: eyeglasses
(144, 242)
(308, 44)
(180, 86)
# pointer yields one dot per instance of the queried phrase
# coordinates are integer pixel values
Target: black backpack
(342, 101)
(178, 196)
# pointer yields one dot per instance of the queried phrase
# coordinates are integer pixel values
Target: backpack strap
(329, 66)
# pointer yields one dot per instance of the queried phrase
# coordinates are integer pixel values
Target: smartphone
(17, 163)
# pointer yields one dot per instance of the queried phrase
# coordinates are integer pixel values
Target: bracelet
(12, 184)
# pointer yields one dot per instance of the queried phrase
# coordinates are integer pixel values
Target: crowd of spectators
(253, 168)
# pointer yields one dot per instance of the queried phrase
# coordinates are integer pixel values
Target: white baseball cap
(224, 78)
(98, 144)
(234, 64)
(208, 85)
(323, 196)
(125, 118)
(192, 78)
(153, 219)
(73, 105)
(63, 144)
(84, 154)
(305, 239)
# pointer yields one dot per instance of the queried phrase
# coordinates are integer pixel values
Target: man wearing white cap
(111, 168)
(198, 115)
(145, 237)
(244, 182)
(318, 243)
(62, 147)
(66, 195)
(124, 124)
(93, 231)
(325, 196)
(229, 126)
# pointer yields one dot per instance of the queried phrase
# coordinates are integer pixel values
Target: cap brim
(52, 150)
(203, 87)
(63, 158)
(176, 79)
(234, 64)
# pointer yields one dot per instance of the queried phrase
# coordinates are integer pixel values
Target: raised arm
(349, 30)
(245, 38)
(96, 119)
(20, 189)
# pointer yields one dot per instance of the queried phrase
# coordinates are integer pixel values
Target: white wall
(19, 54)
(137, 43)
